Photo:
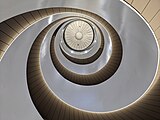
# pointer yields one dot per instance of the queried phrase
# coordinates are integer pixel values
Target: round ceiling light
(79, 35)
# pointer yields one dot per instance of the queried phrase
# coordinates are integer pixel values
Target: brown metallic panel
(57, 110)
(62, 9)
(49, 11)
(68, 9)
(3, 46)
(43, 13)
(36, 15)
(33, 69)
(5, 38)
(22, 21)
(56, 10)
(29, 17)
(15, 25)
(8, 30)
(1, 53)
(34, 65)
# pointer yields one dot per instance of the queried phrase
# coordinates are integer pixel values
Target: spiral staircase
(80, 60)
